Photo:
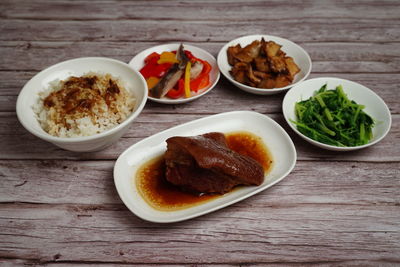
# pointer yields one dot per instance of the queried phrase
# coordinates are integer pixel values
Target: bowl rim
(108, 132)
(189, 46)
(255, 89)
(332, 147)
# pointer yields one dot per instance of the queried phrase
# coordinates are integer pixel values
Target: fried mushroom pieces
(262, 64)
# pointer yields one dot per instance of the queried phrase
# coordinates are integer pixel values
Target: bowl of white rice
(83, 104)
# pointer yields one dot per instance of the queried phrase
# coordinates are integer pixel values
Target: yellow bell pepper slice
(167, 57)
(187, 79)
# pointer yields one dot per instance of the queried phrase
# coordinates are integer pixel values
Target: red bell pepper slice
(152, 58)
(177, 93)
(147, 70)
(161, 69)
(190, 55)
(203, 80)
(200, 82)
(155, 70)
(206, 67)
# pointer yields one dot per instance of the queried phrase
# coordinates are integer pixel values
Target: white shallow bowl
(273, 135)
(374, 106)
(29, 95)
(137, 63)
(293, 50)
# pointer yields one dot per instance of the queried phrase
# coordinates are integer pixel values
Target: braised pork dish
(205, 164)
(262, 64)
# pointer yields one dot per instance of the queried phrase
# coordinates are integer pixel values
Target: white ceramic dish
(29, 95)
(293, 50)
(137, 63)
(374, 106)
(274, 136)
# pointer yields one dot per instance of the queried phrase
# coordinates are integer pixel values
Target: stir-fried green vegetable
(331, 118)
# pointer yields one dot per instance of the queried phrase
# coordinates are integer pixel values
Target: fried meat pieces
(262, 64)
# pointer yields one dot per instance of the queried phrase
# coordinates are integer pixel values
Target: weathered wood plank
(250, 232)
(332, 56)
(60, 263)
(196, 10)
(91, 182)
(14, 140)
(322, 29)
(382, 263)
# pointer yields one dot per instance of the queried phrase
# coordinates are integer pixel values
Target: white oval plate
(293, 50)
(273, 135)
(137, 63)
(374, 106)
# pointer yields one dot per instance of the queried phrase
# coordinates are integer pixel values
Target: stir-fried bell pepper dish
(175, 74)
(332, 118)
(262, 64)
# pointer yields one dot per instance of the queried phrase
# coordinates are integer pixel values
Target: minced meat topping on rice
(83, 106)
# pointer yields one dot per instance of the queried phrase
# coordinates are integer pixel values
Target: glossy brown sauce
(251, 145)
(161, 195)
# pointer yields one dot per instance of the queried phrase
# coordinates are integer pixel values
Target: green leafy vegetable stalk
(331, 118)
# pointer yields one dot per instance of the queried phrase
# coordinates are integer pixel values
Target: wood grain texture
(321, 29)
(198, 10)
(345, 183)
(61, 263)
(335, 57)
(251, 231)
(60, 208)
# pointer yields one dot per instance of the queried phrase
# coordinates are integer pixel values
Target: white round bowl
(137, 63)
(293, 50)
(29, 95)
(374, 106)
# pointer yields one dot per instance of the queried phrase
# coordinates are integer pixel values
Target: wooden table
(61, 208)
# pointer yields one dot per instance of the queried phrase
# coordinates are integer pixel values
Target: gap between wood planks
(189, 20)
(122, 207)
(208, 41)
(123, 262)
